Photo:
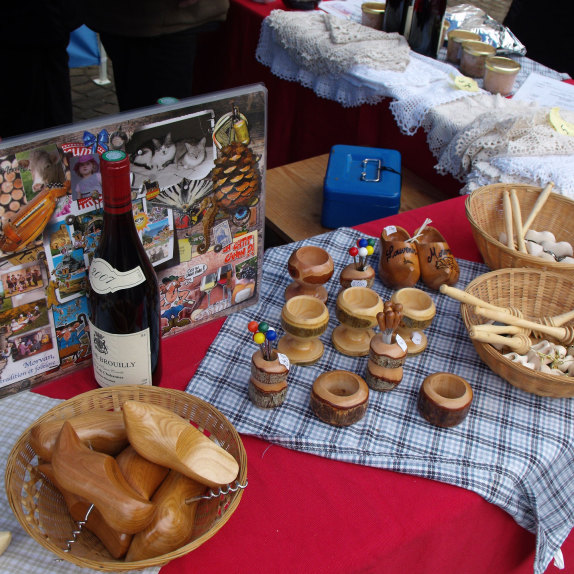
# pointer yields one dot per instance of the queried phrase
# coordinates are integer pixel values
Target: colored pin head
(363, 249)
(263, 335)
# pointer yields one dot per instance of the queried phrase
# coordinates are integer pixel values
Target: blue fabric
(83, 49)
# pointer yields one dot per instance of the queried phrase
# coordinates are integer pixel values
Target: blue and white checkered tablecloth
(514, 449)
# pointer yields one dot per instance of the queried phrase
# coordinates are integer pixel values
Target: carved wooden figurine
(387, 352)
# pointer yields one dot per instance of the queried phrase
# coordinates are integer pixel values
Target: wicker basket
(537, 294)
(486, 216)
(40, 507)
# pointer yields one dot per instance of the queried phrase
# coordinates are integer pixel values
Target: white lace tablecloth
(424, 96)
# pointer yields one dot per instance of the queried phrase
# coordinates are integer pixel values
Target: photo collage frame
(197, 179)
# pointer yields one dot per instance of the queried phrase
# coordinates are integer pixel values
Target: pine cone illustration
(235, 177)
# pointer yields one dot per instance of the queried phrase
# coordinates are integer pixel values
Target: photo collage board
(197, 179)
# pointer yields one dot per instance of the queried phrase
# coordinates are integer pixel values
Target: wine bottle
(426, 26)
(124, 302)
(396, 12)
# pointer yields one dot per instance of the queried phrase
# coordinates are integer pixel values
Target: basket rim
(552, 381)
(474, 197)
(113, 565)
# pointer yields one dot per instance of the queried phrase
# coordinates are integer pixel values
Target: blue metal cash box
(361, 184)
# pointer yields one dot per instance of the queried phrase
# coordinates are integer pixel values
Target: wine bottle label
(106, 279)
(121, 359)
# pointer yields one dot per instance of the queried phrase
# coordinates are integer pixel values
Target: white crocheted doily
(324, 44)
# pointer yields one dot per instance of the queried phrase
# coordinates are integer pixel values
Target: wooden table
(294, 199)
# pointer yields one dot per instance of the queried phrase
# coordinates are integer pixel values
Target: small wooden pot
(268, 372)
(268, 381)
(351, 276)
(419, 311)
(388, 355)
(356, 309)
(339, 398)
(444, 399)
(304, 318)
(382, 378)
(267, 396)
(310, 267)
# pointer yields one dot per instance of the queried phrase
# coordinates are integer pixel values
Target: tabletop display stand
(197, 170)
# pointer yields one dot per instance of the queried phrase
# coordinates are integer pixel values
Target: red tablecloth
(302, 513)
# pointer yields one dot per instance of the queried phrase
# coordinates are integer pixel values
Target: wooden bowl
(485, 212)
(42, 512)
(536, 294)
(339, 398)
(444, 399)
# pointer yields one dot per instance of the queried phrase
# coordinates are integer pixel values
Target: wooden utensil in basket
(536, 294)
(40, 507)
(487, 216)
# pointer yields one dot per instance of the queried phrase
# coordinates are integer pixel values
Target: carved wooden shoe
(141, 474)
(116, 543)
(102, 430)
(97, 478)
(172, 524)
(437, 263)
(167, 439)
(399, 262)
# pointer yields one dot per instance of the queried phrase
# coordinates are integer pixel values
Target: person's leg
(146, 69)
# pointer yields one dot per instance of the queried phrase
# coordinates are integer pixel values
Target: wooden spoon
(519, 343)
(564, 335)
(165, 438)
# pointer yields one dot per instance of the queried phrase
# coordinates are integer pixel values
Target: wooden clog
(102, 430)
(141, 474)
(399, 262)
(97, 478)
(172, 524)
(167, 439)
(437, 263)
(116, 543)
